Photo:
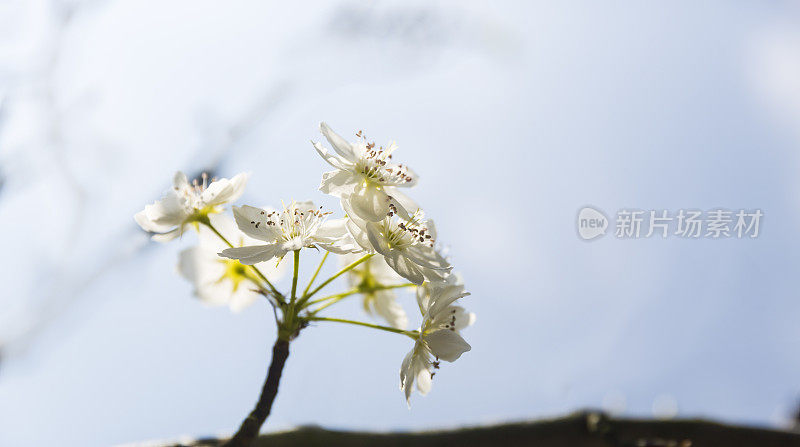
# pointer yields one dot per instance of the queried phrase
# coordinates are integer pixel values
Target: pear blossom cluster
(385, 243)
(186, 203)
(218, 281)
(383, 220)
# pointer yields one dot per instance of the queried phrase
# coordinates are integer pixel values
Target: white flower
(219, 281)
(186, 203)
(373, 274)
(299, 225)
(406, 245)
(365, 176)
(439, 335)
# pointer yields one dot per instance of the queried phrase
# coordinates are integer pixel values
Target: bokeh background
(515, 115)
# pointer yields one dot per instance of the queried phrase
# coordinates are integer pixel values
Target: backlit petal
(447, 345)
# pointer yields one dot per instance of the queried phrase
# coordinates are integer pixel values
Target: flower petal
(274, 271)
(359, 235)
(332, 159)
(242, 297)
(204, 270)
(239, 181)
(168, 236)
(447, 345)
(226, 226)
(431, 228)
(216, 293)
(148, 225)
(377, 240)
(406, 206)
(339, 144)
(435, 275)
(407, 375)
(369, 202)
(194, 265)
(442, 296)
(253, 222)
(427, 257)
(332, 229)
(386, 305)
(343, 247)
(180, 181)
(253, 254)
(333, 236)
(224, 190)
(338, 183)
(382, 272)
(404, 267)
(167, 212)
(463, 318)
(424, 380)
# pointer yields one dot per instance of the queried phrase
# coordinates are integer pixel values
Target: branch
(250, 427)
(585, 429)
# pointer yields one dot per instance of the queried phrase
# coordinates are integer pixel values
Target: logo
(717, 223)
(592, 223)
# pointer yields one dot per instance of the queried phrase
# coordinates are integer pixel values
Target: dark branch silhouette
(250, 427)
(586, 429)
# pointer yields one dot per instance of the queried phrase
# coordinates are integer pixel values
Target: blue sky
(514, 114)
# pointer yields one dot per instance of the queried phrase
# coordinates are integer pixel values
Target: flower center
(236, 272)
(402, 235)
(192, 195)
(294, 224)
(444, 320)
(371, 164)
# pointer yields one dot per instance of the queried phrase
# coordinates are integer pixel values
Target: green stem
(319, 267)
(334, 296)
(333, 299)
(208, 224)
(275, 292)
(338, 274)
(341, 295)
(294, 277)
(412, 334)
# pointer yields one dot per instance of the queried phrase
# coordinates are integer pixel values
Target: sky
(515, 115)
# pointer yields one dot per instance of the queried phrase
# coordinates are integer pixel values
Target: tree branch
(584, 429)
(251, 426)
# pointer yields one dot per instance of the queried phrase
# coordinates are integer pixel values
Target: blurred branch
(220, 148)
(585, 429)
(41, 87)
(406, 25)
(60, 297)
(66, 292)
(3, 106)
